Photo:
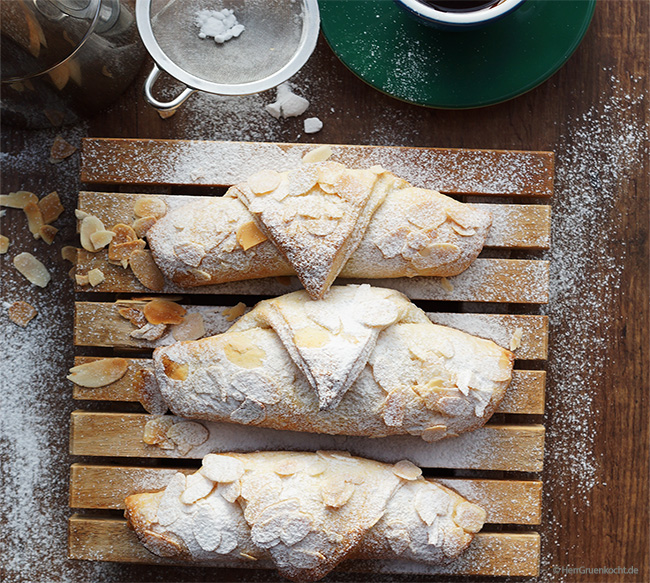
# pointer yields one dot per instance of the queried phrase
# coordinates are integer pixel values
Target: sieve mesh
(272, 36)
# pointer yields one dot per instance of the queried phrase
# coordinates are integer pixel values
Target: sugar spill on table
(600, 147)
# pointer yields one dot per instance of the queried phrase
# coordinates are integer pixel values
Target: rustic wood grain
(100, 324)
(525, 395)
(499, 554)
(137, 161)
(106, 487)
(492, 447)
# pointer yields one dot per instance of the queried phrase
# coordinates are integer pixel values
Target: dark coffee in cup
(460, 5)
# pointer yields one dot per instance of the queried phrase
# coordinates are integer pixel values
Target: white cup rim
(460, 18)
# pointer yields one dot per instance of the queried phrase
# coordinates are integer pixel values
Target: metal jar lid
(279, 37)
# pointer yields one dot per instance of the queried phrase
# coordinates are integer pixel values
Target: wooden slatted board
(514, 186)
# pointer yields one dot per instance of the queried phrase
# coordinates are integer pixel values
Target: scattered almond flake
(287, 103)
(166, 113)
(47, 233)
(249, 235)
(446, 284)
(150, 206)
(81, 215)
(34, 219)
(98, 373)
(81, 279)
(95, 277)
(161, 311)
(231, 314)
(100, 239)
(61, 149)
(312, 125)
(187, 434)
(120, 253)
(21, 313)
(32, 269)
(191, 328)
(320, 154)
(407, 470)
(142, 225)
(155, 431)
(4, 244)
(89, 226)
(51, 207)
(146, 270)
(133, 315)
(149, 332)
(18, 199)
(69, 253)
(515, 341)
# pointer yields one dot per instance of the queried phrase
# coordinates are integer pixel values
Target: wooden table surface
(593, 114)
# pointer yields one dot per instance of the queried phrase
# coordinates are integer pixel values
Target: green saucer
(404, 58)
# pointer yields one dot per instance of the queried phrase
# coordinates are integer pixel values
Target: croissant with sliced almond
(319, 221)
(362, 361)
(303, 512)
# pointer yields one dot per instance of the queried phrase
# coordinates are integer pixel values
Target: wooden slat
(514, 226)
(525, 395)
(99, 324)
(485, 172)
(490, 554)
(492, 447)
(486, 280)
(106, 487)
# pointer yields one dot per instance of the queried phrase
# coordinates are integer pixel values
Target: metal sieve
(279, 37)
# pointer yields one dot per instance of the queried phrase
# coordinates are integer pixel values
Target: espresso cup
(458, 14)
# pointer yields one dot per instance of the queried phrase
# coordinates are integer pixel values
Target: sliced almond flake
(463, 232)
(248, 556)
(446, 284)
(80, 215)
(198, 486)
(51, 207)
(95, 277)
(21, 313)
(4, 244)
(47, 233)
(222, 468)
(515, 341)
(161, 311)
(90, 225)
(264, 181)
(288, 467)
(32, 269)
(34, 219)
(249, 235)
(206, 527)
(320, 154)
(150, 332)
(469, 517)
(123, 234)
(249, 412)
(190, 253)
(336, 492)
(393, 244)
(231, 314)
(165, 545)
(81, 279)
(230, 491)
(302, 180)
(200, 274)
(425, 217)
(98, 373)
(188, 434)
(316, 468)
(18, 199)
(142, 225)
(149, 206)
(61, 150)
(191, 328)
(120, 253)
(169, 508)
(394, 408)
(133, 315)
(434, 433)
(461, 217)
(148, 392)
(155, 430)
(166, 113)
(430, 503)
(398, 537)
(146, 270)
(101, 239)
(321, 227)
(407, 470)
(69, 253)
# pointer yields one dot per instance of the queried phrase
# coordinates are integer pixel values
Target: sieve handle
(163, 105)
